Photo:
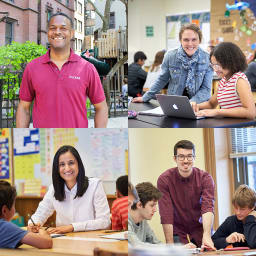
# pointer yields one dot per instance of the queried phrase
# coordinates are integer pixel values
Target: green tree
(13, 60)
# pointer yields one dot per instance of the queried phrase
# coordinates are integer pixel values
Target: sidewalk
(113, 122)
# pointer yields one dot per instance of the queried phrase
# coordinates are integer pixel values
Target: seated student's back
(119, 209)
(11, 236)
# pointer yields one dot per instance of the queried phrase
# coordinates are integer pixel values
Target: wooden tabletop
(69, 247)
(236, 253)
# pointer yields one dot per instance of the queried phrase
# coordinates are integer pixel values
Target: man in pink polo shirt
(59, 83)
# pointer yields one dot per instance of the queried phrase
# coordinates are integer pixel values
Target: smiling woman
(80, 202)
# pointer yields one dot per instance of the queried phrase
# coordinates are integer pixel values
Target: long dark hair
(58, 182)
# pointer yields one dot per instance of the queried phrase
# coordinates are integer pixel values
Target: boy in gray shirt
(139, 230)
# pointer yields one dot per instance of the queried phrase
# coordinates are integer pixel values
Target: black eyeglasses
(182, 157)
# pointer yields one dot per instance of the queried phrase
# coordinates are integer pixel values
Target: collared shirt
(10, 234)
(185, 200)
(89, 212)
(60, 95)
(119, 213)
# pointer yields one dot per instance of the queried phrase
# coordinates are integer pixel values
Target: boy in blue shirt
(11, 235)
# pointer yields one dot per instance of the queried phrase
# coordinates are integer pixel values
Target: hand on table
(207, 243)
(190, 246)
(194, 106)
(235, 237)
(61, 229)
(207, 112)
(34, 228)
(137, 99)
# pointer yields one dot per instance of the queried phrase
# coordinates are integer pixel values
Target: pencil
(32, 221)
(188, 238)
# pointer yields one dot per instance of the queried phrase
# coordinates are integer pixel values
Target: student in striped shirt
(234, 94)
(119, 209)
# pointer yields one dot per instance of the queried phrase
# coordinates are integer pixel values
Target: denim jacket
(172, 71)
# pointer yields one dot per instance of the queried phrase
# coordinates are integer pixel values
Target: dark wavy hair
(230, 57)
(7, 195)
(122, 185)
(185, 144)
(58, 182)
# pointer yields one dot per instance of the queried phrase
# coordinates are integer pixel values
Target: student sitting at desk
(119, 209)
(139, 230)
(11, 235)
(80, 202)
(239, 229)
(234, 94)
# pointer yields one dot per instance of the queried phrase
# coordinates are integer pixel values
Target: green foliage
(13, 60)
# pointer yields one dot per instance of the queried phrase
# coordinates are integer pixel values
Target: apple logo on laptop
(175, 106)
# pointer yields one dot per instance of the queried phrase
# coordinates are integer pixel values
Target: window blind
(243, 142)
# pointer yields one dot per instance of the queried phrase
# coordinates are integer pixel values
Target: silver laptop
(177, 106)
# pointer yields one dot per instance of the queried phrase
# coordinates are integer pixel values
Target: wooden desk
(68, 247)
(237, 253)
(28, 204)
(143, 121)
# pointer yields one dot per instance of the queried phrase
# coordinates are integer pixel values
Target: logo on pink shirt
(75, 77)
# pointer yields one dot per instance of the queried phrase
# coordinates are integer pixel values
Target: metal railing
(9, 98)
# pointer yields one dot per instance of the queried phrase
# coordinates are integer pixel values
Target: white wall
(223, 173)
(142, 13)
(118, 7)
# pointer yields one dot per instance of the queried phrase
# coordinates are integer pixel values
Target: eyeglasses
(216, 66)
(182, 157)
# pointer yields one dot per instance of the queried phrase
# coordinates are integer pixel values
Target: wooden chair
(102, 252)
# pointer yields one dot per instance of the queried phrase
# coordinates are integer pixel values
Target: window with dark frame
(48, 14)
(243, 153)
(112, 23)
(67, 3)
(8, 32)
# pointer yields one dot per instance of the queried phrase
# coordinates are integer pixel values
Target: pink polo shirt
(60, 95)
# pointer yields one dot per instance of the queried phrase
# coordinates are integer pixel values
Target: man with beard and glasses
(187, 203)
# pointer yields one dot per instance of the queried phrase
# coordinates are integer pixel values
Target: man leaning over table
(59, 83)
(187, 203)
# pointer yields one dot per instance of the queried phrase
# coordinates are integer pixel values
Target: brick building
(48, 7)
(18, 21)
(26, 20)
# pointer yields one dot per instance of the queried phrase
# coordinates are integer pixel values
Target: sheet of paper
(118, 236)
(152, 112)
(90, 239)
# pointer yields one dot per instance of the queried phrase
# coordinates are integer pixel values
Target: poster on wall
(4, 158)
(175, 22)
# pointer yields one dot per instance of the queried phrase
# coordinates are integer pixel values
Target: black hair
(122, 185)
(61, 14)
(186, 144)
(139, 56)
(58, 182)
(146, 192)
(230, 57)
(7, 195)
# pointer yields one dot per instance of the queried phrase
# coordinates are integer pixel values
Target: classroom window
(243, 153)
(112, 23)
(8, 32)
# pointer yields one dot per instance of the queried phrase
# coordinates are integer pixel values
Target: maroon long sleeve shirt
(184, 200)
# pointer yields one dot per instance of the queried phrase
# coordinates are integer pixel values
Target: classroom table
(69, 247)
(144, 121)
(219, 252)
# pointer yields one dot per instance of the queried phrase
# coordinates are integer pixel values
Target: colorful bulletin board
(175, 22)
(236, 27)
(5, 163)
(102, 152)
